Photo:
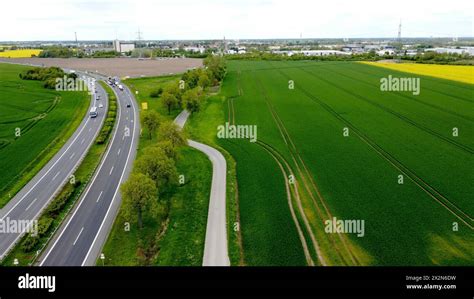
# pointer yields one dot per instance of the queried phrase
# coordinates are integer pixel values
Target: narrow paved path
(215, 248)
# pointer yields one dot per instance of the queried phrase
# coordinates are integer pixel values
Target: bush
(156, 93)
(29, 243)
(44, 224)
(50, 83)
(56, 206)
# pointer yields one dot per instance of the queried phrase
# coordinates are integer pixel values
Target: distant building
(323, 52)
(369, 48)
(92, 50)
(312, 52)
(386, 52)
(411, 52)
(353, 48)
(464, 50)
(123, 47)
(200, 50)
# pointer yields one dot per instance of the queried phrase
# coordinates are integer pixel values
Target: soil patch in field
(121, 67)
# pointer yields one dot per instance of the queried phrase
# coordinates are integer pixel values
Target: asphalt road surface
(37, 194)
(215, 246)
(81, 237)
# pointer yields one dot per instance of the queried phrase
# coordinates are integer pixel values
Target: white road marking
(57, 189)
(82, 201)
(39, 181)
(83, 139)
(113, 197)
(78, 236)
(99, 196)
(29, 206)
(111, 170)
(72, 156)
(90, 129)
(118, 153)
(56, 175)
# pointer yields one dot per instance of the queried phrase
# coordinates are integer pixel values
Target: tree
(174, 89)
(156, 92)
(139, 194)
(171, 132)
(168, 148)
(169, 101)
(191, 100)
(204, 80)
(216, 66)
(151, 121)
(158, 166)
(191, 78)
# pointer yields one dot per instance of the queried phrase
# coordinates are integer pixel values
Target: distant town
(380, 47)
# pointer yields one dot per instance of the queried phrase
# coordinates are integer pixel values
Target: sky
(31, 20)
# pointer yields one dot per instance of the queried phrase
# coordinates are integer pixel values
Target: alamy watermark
(229, 131)
(335, 226)
(75, 84)
(400, 84)
(14, 226)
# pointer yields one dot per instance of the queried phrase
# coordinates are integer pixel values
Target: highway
(80, 238)
(30, 201)
(215, 245)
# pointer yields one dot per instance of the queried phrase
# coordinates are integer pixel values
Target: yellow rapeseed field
(461, 73)
(24, 53)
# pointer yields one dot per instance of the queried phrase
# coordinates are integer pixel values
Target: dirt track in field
(116, 66)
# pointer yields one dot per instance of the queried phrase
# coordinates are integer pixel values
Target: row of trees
(440, 58)
(47, 75)
(154, 173)
(189, 92)
(258, 55)
(57, 52)
(155, 170)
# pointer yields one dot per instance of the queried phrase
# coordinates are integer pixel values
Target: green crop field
(424, 220)
(43, 119)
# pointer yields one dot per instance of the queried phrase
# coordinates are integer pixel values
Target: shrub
(156, 93)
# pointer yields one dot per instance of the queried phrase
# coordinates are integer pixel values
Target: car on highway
(101, 106)
(93, 112)
(128, 105)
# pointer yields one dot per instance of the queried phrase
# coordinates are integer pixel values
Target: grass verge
(177, 239)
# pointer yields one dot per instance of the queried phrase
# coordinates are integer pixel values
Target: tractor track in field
(427, 77)
(417, 100)
(406, 96)
(427, 88)
(396, 114)
(426, 187)
(309, 259)
(287, 67)
(231, 120)
(273, 153)
(294, 152)
(375, 76)
(398, 94)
